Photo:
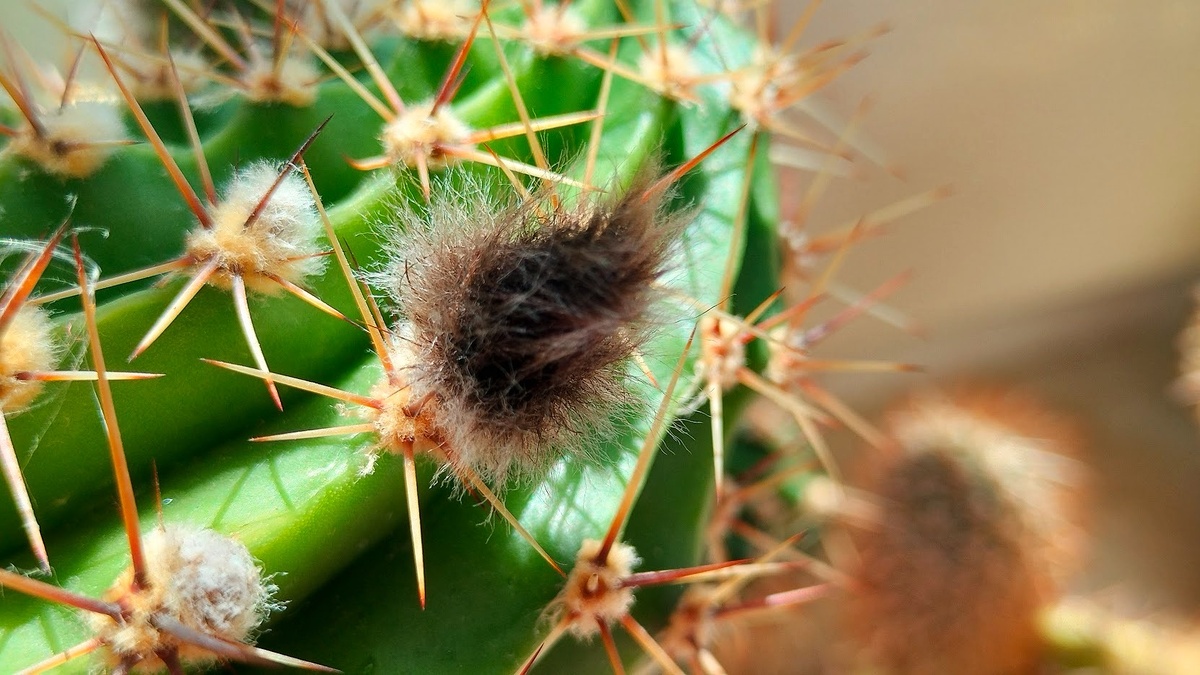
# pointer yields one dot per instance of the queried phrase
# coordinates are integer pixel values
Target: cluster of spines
(189, 595)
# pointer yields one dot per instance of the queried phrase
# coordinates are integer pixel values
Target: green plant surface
(130, 213)
(296, 339)
(499, 588)
(305, 509)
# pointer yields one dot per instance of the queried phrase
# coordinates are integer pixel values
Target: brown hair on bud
(1029, 453)
(946, 585)
(520, 317)
(983, 502)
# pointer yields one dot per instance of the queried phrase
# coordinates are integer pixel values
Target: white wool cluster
(84, 122)
(281, 242)
(211, 582)
(723, 353)
(197, 577)
(436, 19)
(78, 137)
(26, 345)
(154, 80)
(671, 71)
(594, 593)
(135, 30)
(317, 19)
(418, 131)
(117, 21)
(293, 81)
(554, 29)
(290, 215)
(762, 89)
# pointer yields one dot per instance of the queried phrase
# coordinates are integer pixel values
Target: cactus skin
(304, 509)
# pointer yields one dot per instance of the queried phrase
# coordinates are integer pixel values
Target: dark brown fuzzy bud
(1030, 453)
(520, 319)
(946, 584)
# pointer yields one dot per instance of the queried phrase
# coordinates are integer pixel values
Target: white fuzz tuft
(122, 22)
(212, 582)
(763, 89)
(554, 29)
(672, 71)
(78, 138)
(418, 132)
(27, 345)
(400, 421)
(826, 498)
(200, 578)
(692, 626)
(281, 242)
(154, 80)
(594, 593)
(436, 19)
(294, 82)
(723, 352)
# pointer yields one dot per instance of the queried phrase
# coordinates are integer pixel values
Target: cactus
(457, 307)
(397, 134)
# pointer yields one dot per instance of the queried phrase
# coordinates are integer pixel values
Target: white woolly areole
(153, 79)
(435, 19)
(824, 497)
(594, 594)
(117, 21)
(27, 345)
(294, 82)
(78, 138)
(400, 421)
(691, 627)
(200, 578)
(672, 71)
(281, 242)
(722, 352)
(418, 131)
(762, 89)
(785, 367)
(554, 29)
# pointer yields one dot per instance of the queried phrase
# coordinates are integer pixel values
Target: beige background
(1070, 130)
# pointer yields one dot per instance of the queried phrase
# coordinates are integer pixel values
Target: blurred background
(1070, 133)
(1064, 261)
